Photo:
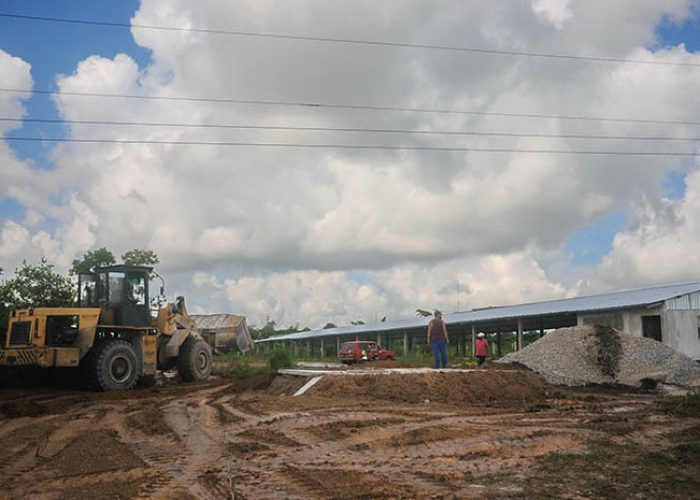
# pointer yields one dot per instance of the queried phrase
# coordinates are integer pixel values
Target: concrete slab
(308, 385)
(370, 371)
(313, 365)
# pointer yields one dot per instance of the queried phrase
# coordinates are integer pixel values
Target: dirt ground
(487, 434)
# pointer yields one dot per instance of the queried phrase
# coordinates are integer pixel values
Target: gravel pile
(585, 355)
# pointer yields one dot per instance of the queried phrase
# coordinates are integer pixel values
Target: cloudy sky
(310, 235)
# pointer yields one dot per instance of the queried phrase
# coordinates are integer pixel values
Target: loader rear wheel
(113, 366)
(194, 362)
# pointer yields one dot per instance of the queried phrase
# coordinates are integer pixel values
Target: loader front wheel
(113, 366)
(194, 362)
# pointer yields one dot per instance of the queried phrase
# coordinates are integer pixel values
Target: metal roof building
(668, 313)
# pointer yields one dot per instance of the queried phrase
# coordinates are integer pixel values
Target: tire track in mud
(330, 457)
(203, 421)
(214, 441)
(442, 438)
(203, 466)
(178, 455)
(344, 483)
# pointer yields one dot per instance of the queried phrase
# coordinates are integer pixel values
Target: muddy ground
(488, 434)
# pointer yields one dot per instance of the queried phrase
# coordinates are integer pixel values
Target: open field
(486, 434)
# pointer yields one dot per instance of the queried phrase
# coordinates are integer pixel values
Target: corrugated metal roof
(214, 321)
(615, 300)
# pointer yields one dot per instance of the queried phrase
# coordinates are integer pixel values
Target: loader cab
(120, 291)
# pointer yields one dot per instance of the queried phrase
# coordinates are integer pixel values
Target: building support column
(323, 348)
(308, 349)
(405, 343)
(473, 338)
(519, 339)
(379, 339)
(498, 344)
(337, 343)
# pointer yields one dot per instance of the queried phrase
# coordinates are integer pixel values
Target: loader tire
(194, 361)
(113, 366)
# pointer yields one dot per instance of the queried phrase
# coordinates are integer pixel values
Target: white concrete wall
(680, 331)
(630, 319)
(679, 328)
(633, 321)
(613, 319)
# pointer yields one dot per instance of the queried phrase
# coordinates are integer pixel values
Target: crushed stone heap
(585, 355)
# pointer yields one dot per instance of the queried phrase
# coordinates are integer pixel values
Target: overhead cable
(58, 121)
(351, 146)
(352, 106)
(348, 41)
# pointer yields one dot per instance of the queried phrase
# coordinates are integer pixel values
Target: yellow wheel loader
(112, 335)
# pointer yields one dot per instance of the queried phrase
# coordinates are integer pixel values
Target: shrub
(280, 358)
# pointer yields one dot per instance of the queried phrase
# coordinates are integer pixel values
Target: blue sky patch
(12, 209)
(590, 243)
(674, 185)
(673, 34)
(56, 48)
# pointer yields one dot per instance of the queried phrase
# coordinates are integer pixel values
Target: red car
(361, 350)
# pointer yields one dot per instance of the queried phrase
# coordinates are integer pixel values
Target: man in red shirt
(437, 336)
(481, 348)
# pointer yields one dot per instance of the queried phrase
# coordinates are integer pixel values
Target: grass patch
(240, 367)
(682, 406)
(617, 471)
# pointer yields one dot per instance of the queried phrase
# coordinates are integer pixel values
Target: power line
(349, 41)
(225, 100)
(351, 146)
(349, 129)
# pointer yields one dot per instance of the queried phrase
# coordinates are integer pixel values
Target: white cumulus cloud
(315, 235)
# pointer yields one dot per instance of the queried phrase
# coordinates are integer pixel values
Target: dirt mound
(333, 431)
(479, 386)
(96, 451)
(585, 355)
(285, 385)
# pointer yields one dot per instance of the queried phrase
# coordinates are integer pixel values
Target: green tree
(93, 259)
(330, 325)
(270, 330)
(137, 257)
(35, 286)
(423, 313)
(264, 332)
(357, 322)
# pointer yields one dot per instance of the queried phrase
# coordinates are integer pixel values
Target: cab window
(116, 286)
(102, 287)
(136, 289)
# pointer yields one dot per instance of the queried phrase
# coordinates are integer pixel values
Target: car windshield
(347, 345)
